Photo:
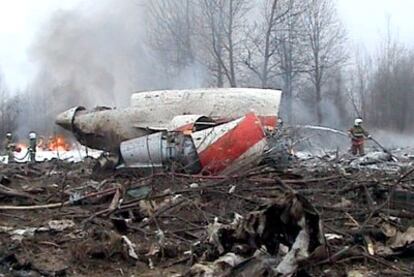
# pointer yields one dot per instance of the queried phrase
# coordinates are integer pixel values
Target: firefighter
(358, 135)
(10, 147)
(32, 147)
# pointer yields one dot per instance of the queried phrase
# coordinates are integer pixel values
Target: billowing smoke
(94, 55)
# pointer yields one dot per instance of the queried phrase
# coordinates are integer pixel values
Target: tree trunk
(220, 81)
(232, 80)
(265, 69)
(319, 116)
(288, 99)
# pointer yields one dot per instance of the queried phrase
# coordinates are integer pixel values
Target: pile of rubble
(56, 220)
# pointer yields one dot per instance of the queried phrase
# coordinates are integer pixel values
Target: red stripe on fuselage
(268, 121)
(232, 144)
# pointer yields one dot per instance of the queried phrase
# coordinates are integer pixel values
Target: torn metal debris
(196, 130)
(259, 221)
(288, 229)
(215, 202)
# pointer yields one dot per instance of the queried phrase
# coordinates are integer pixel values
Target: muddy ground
(166, 217)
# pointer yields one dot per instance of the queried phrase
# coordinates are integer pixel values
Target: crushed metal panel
(224, 148)
(228, 147)
(269, 122)
(153, 111)
(290, 222)
(144, 151)
(103, 129)
(65, 119)
(162, 150)
(191, 122)
(219, 102)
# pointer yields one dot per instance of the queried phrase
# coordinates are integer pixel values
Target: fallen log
(14, 193)
(60, 204)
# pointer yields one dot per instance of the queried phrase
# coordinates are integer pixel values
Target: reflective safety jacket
(358, 134)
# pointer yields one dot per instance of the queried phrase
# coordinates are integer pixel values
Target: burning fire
(58, 143)
(20, 147)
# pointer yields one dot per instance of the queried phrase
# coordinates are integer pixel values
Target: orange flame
(58, 143)
(20, 147)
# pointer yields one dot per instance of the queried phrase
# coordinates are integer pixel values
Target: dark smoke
(93, 55)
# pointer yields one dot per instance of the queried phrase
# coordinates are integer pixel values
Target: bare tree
(223, 23)
(172, 25)
(403, 94)
(324, 38)
(213, 34)
(9, 109)
(337, 98)
(392, 87)
(203, 32)
(3, 107)
(261, 43)
(291, 60)
(359, 82)
(272, 47)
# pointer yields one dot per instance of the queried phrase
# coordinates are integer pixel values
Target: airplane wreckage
(203, 131)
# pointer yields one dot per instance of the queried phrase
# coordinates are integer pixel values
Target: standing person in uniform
(32, 147)
(358, 135)
(10, 147)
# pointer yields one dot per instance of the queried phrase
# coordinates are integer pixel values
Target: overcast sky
(21, 20)
(366, 19)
